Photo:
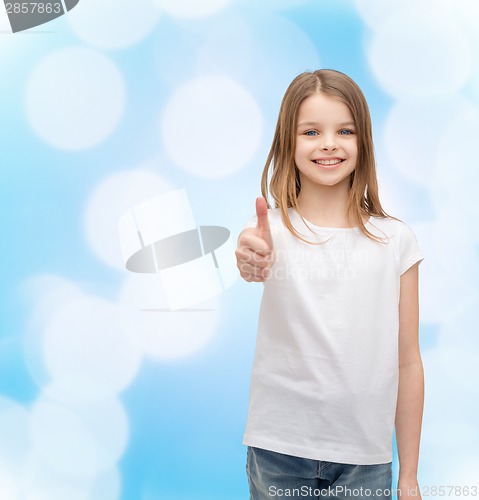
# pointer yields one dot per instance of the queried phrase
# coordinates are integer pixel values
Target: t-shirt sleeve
(409, 251)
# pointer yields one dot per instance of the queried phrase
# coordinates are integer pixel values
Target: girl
(337, 363)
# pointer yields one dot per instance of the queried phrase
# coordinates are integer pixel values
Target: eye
(346, 132)
(310, 133)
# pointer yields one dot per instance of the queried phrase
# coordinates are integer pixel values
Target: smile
(329, 163)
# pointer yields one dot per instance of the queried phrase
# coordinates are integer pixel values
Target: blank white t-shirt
(325, 373)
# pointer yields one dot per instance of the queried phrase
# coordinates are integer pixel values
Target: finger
(255, 243)
(262, 226)
(249, 269)
(255, 259)
(252, 278)
(254, 274)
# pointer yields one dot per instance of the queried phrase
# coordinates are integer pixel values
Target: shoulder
(392, 228)
(396, 231)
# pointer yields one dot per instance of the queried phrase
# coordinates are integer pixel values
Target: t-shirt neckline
(331, 229)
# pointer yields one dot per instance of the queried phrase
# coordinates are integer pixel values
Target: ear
(21, 16)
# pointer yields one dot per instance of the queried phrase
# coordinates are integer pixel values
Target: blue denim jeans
(273, 475)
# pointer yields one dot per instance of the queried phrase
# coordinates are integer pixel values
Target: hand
(254, 255)
(408, 490)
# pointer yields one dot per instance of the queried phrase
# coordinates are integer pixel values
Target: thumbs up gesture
(254, 255)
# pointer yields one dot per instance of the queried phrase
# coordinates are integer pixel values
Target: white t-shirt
(325, 373)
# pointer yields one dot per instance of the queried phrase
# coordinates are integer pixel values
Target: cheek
(354, 149)
(354, 153)
(301, 150)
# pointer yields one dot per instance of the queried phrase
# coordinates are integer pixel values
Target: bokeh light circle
(84, 340)
(66, 106)
(112, 197)
(44, 294)
(446, 285)
(111, 24)
(375, 12)
(192, 8)
(420, 52)
(211, 127)
(14, 445)
(458, 169)
(42, 481)
(413, 134)
(79, 440)
(156, 330)
(278, 57)
(106, 486)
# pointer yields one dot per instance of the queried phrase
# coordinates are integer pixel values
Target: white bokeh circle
(450, 208)
(12, 48)
(211, 127)
(112, 197)
(78, 440)
(449, 408)
(461, 366)
(173, 43)
(459, 170)
(463, 470)
(227, 47)
(192, 8)
(280, 4)
(45, 294)
(14, 446)
(84, 342)
(446, 435)
(460, 331)
(458, 345)
(445, 400)
(42, 483)
(159, 332)
(4, 21)
(58, 493)
(106, 486)
(8, 486)
(447, 284)
(75, 98)
(111, 24)
(466, 13)
(413, 134)
(282, 50)
(420, 52)
(375, 12)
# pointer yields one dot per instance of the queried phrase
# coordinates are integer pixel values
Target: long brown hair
(285, 183)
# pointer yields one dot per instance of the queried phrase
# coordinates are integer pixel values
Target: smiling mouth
(329, 163)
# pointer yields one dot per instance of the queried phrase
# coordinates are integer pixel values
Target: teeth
(328, 162)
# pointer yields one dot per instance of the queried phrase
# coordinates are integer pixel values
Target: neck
(326, 206)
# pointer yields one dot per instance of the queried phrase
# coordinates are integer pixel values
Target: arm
(410, 400)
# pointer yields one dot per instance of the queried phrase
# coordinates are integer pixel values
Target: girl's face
(326, 142)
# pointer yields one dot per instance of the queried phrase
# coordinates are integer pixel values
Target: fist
(254, 255)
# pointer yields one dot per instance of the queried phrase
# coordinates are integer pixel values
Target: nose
(328, 144)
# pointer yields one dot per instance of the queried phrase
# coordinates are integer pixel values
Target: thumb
(263, 223)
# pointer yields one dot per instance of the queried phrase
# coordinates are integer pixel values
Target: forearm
(409, 413)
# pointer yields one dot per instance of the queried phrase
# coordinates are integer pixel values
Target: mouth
(329, 163)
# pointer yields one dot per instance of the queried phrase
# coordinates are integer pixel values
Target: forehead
(324, 109)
